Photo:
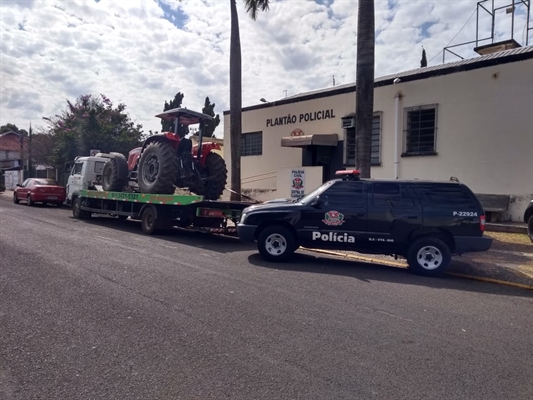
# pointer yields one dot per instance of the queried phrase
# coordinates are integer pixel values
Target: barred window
(376, 141)
(420, 130)
(252, 144)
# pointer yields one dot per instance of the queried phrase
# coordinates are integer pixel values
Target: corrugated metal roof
(422, 72)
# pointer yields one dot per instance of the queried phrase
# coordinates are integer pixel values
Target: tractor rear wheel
(215, 174)
(158, 168)
(115, 174)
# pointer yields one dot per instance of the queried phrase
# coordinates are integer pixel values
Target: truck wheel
(77, 212)
(115, 173)
(158, 168)
(530, 228)
(428, 256)
(148, 220)
(276, 243)
(15, 198)
(215, 174)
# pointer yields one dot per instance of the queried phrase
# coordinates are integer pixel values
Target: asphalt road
(98, 310)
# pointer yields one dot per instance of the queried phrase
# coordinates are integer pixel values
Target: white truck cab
(84, 171)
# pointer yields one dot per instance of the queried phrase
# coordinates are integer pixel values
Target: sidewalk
(509, 261)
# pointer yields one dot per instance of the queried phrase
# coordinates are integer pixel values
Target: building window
(376, 140)
(252, 144)
(420, 130)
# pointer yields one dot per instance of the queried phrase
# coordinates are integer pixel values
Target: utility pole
(29, 155)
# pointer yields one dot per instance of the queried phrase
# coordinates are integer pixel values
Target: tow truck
(157, 212)
(161, 211)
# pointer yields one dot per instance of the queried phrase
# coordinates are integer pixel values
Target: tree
(424, 60)
(209, 109)
(364, 92)
(168, 126)
(43, 145)
(235, 90)
(92, 123)
(12, 128)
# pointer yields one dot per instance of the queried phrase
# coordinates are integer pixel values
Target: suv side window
(391, 195)
(345, 194)
(448, 196)
(77, 168)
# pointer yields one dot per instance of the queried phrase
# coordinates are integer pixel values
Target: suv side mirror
(317, 202)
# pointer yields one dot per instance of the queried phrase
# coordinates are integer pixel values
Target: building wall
(484, 131)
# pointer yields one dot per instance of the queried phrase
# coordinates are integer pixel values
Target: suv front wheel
(428, 256)
(276, 243)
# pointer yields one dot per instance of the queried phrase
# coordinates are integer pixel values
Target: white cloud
(141, 52)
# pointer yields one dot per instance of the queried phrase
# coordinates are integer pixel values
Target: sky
(142, 52)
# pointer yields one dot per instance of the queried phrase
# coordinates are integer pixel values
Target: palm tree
(235, 90)
(364, 92)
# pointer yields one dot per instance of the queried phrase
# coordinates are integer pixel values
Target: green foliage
(12, 128)
(209, 109)
(168, 126)
(424, 61)
(42, 148)
(92, 123)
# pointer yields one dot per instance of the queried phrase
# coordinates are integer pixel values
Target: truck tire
(77, 212)
(115, 173)
(216, 175)
(428, 256)
(158, 168)
(276, 243)
(149, 220)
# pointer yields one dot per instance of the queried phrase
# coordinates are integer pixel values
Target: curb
(397, 264)
(506, 228)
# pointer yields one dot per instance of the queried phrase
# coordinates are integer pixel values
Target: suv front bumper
(246, 233)
(470, 244)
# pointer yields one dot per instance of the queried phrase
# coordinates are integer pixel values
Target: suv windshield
(311, 196)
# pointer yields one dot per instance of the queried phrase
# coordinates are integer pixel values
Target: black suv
(424, 221)
(528, 219)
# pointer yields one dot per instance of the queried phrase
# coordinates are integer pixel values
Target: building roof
(10, 141)
(502, 57)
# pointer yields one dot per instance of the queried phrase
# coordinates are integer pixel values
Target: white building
(471, 119)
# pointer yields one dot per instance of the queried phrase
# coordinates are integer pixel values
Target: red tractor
(167, 160)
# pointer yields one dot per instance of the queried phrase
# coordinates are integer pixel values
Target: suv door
(337, 219)
(393, 213)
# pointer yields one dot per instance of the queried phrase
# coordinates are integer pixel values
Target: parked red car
(39, 190)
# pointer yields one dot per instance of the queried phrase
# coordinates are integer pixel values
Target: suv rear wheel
(428, 256)
(276, 243)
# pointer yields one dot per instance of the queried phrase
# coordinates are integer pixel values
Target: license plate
(52, 197)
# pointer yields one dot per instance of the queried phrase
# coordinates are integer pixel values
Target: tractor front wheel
(158, 168)
(215, 174)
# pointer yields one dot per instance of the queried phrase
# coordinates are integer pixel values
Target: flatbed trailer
(162, 211)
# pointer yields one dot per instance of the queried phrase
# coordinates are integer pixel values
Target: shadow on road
(368, 272)
(212, 242)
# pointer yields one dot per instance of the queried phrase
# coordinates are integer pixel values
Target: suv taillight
(482, 223)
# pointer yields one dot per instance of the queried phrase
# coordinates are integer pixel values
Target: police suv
(424, 221)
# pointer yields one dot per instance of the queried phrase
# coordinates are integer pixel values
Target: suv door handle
(360, 214)
(412, 216)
